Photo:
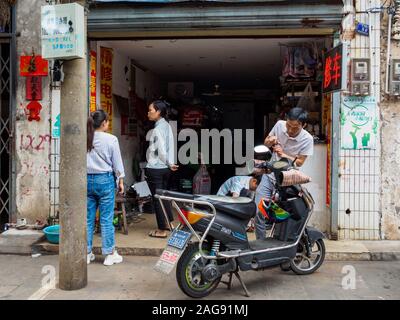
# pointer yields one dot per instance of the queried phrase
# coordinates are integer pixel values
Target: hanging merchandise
(304, 63)
(299, 61)
(202, 181)
(307, 100)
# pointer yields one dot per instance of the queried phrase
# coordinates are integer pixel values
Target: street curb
(152, 252)
(47, 248)
(362, 256)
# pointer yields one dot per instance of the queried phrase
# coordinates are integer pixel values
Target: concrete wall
(390, 157)
(315, 167)
(148, 85)
(32, 138)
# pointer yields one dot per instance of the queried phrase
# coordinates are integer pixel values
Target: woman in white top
(104, 167)
(160, 162)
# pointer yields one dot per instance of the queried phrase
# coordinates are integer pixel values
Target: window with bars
(5, 132)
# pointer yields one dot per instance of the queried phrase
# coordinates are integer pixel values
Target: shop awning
(112, 20)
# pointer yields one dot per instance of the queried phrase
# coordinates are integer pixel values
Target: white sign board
(63, 31)
(359, 123)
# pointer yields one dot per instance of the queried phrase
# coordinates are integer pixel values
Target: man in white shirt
(287, 139)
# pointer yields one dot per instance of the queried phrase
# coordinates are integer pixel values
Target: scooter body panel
(229, 230)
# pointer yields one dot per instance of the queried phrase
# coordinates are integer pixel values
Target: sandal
(157, 234)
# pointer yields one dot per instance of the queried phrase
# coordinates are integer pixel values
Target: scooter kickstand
(229, 282)
(247, 293)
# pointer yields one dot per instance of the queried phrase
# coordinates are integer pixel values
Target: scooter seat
(226, 199)
(174, 194)
(241, 207)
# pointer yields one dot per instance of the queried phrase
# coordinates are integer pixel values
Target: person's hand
(121, 187)
(270, 141)
(174, 167)
(278, 150)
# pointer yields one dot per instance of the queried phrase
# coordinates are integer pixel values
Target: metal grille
(359, 216)
(54, 179)
(5, 132)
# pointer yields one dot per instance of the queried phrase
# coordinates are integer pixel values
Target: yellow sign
(93, 62)
(106, 58)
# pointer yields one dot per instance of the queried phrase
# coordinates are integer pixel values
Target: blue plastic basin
(52, 233)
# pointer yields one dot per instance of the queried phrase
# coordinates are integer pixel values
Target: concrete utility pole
(72, 255)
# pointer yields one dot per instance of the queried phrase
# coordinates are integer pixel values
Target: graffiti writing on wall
(34, 169)
(34, 143)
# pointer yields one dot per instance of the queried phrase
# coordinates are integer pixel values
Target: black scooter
(212, 241)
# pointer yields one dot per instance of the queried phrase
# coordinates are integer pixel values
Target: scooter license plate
(171, 254)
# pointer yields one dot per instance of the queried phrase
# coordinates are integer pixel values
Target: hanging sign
(93, 63)
(33, 88)
(33, 66)
(63, 33)
(106, 58)
(359, 123)
(362, 28)
(333, 70)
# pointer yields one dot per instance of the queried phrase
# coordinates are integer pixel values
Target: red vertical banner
(93, 64)
(106, 59)
(327, 124)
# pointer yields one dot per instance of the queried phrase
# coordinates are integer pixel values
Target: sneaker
(90, 257)
(112, 259)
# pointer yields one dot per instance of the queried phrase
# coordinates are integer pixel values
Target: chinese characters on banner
(106, 58)
(333, 72)
(326, 125)
(359, 123)
(93, 62)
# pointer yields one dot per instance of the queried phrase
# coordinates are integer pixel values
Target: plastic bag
(202, 181)
(307, 100)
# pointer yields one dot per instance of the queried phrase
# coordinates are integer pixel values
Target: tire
(296, 264)
(194, 288)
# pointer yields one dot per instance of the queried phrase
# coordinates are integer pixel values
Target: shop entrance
(241, 83)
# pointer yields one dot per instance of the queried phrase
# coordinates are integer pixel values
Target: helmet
(272, 212)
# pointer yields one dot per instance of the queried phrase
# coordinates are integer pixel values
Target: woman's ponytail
(90, 133)
(94, 122)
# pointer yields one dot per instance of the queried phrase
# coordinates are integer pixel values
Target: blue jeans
(101, 194)
(264, 190)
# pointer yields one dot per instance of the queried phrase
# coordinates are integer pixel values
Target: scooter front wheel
(307, 264)
(189, 276)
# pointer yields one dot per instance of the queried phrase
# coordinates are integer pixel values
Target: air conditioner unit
(178, 90)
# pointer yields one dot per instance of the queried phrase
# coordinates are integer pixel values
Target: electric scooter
(211, 240)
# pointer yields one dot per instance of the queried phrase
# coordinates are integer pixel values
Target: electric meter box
(63, 31)
(395, 78)
(360, 77)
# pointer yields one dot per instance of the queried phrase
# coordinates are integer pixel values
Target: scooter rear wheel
(188, 273)
(302, 264)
